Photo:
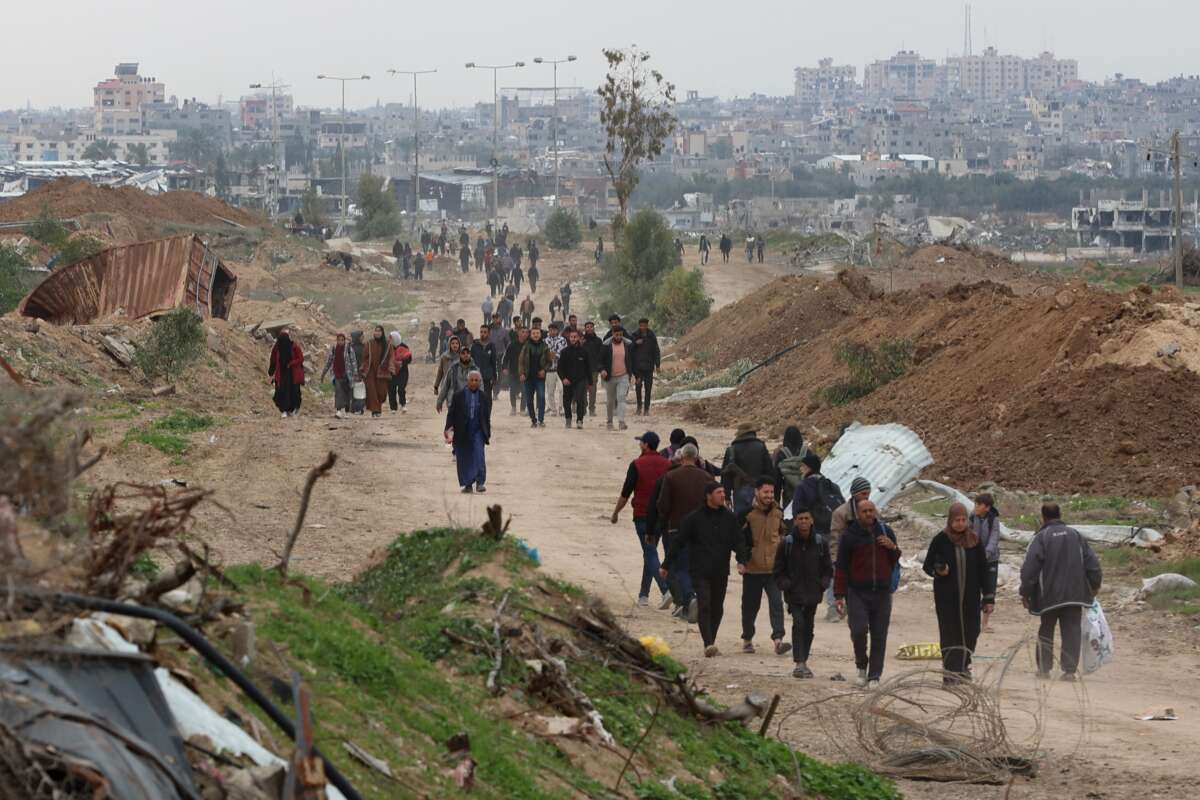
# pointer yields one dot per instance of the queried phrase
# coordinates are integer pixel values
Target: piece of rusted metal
(136, 281)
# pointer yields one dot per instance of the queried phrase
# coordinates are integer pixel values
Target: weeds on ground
(870, 368)
(169, 434)
(176, 340)
(698, 379)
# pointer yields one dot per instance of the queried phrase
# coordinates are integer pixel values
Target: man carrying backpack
(763, 530)
(788, 460)
(746, 460)
(863, 581)
(802, 571)
(823, 499)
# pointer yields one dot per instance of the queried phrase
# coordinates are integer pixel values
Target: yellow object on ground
(928, 651)
(655, 646)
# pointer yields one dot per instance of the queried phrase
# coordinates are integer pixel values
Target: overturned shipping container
(136, 281)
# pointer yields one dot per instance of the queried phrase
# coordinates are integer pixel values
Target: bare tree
(637, 119)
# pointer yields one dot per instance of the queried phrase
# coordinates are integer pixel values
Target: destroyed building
(136, 281)
(1138, 224)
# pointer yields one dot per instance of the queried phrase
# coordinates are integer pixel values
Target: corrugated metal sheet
(138, 280)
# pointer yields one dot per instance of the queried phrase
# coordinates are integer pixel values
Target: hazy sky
(215, 48)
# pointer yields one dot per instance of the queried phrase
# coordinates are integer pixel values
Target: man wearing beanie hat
(746, 460)
(843, 515)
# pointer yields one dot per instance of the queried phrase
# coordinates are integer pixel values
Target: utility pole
(495, 68)
(342, 138)
(554, 121)
(1176, 156)
(416, 140)
(273, 189)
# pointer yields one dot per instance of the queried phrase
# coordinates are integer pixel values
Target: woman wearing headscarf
(286, 369)
(377, 366)
(448, 358)
(398, 385)
(964, 585)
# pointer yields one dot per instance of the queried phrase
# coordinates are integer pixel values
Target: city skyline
(709, 58)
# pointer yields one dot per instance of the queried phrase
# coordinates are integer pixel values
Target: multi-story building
(118, 101)
(905, 74)
(71, 146)
(825, 83)
(988, 76)
(255, 110)
(192, 115)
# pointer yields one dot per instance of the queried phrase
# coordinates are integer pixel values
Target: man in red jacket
(867, 556)
(643, 473)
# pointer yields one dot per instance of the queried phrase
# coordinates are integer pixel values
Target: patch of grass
(870, 368)
(145, 567)
(166, 443)
(1189, 567)
(183, 421)
(698, 379)
(934, 507)
(168, 435)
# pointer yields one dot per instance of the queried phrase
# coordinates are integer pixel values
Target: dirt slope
(1018, 390)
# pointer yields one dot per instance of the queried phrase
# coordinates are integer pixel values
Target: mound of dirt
(785, 311)
(73, 197)
(1004, 388)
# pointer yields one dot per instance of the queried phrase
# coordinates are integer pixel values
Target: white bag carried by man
(1097, 639)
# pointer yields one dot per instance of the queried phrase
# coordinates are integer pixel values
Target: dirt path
(395, 474)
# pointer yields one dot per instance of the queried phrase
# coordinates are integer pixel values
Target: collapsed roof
(136, 281)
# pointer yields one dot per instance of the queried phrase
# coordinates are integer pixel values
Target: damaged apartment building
(1136, 225)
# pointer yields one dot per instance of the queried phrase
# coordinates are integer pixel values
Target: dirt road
(395, 474)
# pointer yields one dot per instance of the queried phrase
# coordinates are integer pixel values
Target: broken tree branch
(317, 472)
(770, 713)
(177, 577)
(633, 750)
(494, 528)
(493, 678)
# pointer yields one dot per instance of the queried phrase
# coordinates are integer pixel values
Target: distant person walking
(344, 365)
(703, 248)
(527, 308)
(444, 361)
(594, 347)
(760, 246)
(764, 530)
(1060, 578)
(616, 365)
(646, 359)
(964, 585)
(469, 430)
(535, 361)
(512, 368)
(599, 248)
(487, 307)
(803, 570)
(710, 534)
(867, 558)
(533, 276)
(483, 354)
(640, 479)
(377, 365)
(789, 464)
(455, 379)
(726, 245)
(576, 375)
(746, 460)
(286, 369)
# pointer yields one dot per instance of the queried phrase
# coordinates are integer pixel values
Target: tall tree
(637, 118)
(100, 150)
(140, 153)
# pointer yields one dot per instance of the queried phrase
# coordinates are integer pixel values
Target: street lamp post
(273, 202)
(416, 138)
(495, 68)
(342, 137)
(554, 121)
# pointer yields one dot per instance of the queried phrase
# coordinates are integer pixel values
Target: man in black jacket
(469, 429)
(710, 534)
(646, 359)
(593, 345)
(746, 460)
(575, 372)
(803, 569)
(483, 353)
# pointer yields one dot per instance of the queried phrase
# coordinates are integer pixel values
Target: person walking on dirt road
(985, 521)
(379, 361)
(964, 584)
(398, 385)
(867, 557)
(534, 363)
(726, 245)
(646, 359)
(640, 479)
(345, 371)
(682, 492)
(616, 365)
(533, 276)
(447, 358)
(512, 367)
(286, 370)
(594, 347)
(556, 342)
(469, 431)
(527, 307)
(746, 460)
(709, 534)
(703, 248)
(764, 529)
(1060, 578)
(455, 379)
(483, 353)
(575, 374)
(803, 569)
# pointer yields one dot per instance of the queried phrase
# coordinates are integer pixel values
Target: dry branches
(316, 472)
(126, 520)
(493, 678)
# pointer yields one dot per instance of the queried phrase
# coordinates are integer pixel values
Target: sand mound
(785, 311)
(72, 197)
(1004, 388)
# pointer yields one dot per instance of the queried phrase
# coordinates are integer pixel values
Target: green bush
(870, 368)
(176, 340)
(78, 248)
(48, 230)
(563, 231)
(680, 301)
(379, 220)
(14, 280)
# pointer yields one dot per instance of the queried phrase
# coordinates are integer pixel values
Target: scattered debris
(1160, 715)
(377, 764)
(1167, 582)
